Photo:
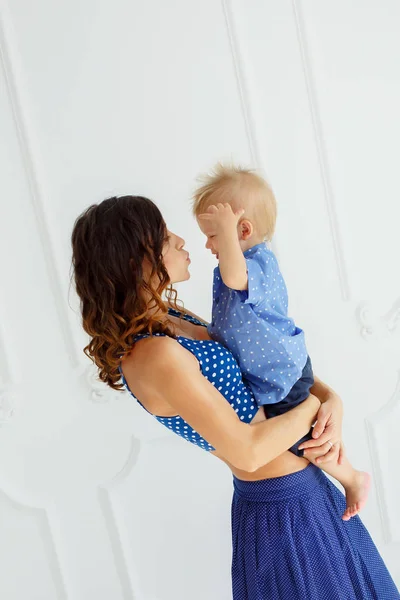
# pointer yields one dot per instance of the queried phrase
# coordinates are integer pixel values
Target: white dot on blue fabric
(220, 356)
(290, 543)
(265, 321)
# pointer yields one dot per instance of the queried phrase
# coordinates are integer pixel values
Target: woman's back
(220, 368)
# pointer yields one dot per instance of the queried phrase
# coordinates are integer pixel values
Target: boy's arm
(232, 263)
(323, 391)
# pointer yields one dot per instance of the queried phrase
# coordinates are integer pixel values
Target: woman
(289, 541)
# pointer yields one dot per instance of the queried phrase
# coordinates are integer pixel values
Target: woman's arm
(329, 423)
(170, 372)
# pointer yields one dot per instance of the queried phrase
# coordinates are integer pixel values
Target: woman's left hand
(328, 428)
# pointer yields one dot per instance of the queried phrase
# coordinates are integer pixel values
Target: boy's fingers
(239, 212)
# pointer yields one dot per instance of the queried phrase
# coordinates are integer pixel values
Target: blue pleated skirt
(290, 543)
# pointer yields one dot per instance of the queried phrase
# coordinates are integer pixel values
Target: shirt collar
(253, 249)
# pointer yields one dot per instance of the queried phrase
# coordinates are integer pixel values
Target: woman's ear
(246, 229)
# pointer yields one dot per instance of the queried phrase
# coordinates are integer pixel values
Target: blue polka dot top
(217, 365)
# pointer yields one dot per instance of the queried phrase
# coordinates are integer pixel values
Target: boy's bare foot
(356, 494)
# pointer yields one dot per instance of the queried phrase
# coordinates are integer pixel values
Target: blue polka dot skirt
(290, 543)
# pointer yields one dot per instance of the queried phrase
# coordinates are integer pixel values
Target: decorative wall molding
(386, 413)
(8, 64)
(372, 324)
(119, 537)
(249, 121)
(321, 151)
(100, 392)
(244, 94)
(48, 538)
(7, 384)
(242, 84)
(6, 404)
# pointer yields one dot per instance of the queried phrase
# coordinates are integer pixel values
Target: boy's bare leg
(356, 483)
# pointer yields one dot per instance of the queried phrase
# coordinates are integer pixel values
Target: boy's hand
(222, 217)
(222, 224)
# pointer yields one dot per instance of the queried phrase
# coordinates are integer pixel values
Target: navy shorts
(299, 392)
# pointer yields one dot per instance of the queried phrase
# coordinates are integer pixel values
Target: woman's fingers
(325, 437)
(323, 454)
(331, 455)
(322, 419)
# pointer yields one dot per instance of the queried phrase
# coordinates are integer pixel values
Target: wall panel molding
(7, 403)
(372, 324)
(250, 125)
(7, 384)
(115, 523)
(47, 534)
(8, 62)
(244, 94)
(100, 392)
(322, 154)
(8, 59)
(379, 459)
(242, 84)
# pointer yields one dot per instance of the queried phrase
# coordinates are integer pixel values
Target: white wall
(97, 98)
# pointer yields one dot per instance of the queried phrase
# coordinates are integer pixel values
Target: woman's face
(176, 259)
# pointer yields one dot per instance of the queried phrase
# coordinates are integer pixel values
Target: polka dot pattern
(253, 324)
(221, 369)
(289, 543)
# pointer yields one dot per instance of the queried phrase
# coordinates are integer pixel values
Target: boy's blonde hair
(241, 188)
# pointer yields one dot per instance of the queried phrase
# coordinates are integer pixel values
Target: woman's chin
(183, 277)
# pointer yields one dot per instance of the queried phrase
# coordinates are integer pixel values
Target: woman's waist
(285, 464)
(305, 481)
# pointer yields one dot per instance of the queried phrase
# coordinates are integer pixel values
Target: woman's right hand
(326, 444)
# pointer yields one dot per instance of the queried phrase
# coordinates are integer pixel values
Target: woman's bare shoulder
(145, 366)
(155, 350)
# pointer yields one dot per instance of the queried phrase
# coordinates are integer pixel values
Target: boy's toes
(346, 515)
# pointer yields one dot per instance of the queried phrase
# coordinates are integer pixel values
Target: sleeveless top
(220, 368)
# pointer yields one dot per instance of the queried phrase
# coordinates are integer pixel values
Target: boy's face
(212, 239)
(212, 242)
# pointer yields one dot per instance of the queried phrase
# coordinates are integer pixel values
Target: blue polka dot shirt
(220, 368)
(254, 325)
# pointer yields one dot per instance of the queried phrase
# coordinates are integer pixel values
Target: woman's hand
(326, 444)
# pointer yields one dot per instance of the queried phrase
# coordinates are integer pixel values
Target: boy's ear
(246, 229)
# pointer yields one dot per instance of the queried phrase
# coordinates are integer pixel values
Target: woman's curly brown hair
(111, 242)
